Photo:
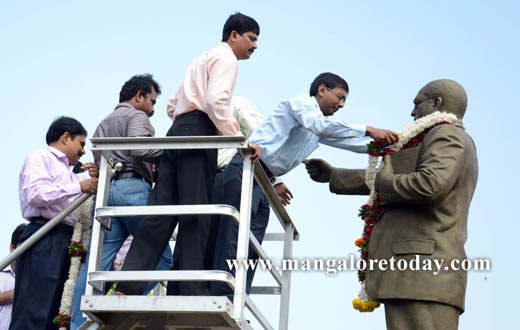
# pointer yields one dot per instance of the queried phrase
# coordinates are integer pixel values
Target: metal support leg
(243, 238)
(286, 278)
(97, 234)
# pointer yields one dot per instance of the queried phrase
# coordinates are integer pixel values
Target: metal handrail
(170, 142)
(245, 237)
(34, 238)
(274, 201)
(198, 142)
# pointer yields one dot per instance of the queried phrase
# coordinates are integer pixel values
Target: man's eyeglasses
(340, 97)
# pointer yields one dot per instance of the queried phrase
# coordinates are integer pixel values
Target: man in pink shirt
(199, 108)
(47, 185)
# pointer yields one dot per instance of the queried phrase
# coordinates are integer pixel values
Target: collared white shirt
(249, 118)
(6, 284)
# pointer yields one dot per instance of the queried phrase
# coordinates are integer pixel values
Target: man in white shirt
(249, 118)
(7, 277)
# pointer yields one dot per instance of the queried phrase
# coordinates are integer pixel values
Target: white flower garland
(81, 234)
(405, 135)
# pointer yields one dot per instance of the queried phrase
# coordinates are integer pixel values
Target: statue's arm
(440, 164)
(345, 181)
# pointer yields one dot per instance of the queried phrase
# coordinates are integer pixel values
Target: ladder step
(163, 312)
(162, 275)
(125, 211)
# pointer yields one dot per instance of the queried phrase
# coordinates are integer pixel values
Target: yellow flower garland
(364, 307)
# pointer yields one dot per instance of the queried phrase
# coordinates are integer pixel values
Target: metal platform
(185, 312)
(163, 312)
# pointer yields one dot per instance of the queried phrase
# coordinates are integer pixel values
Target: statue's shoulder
(453, 135)
(455, 131)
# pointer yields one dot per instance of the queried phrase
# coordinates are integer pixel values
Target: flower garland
(76, 249)
(77, 252)
(411, 136)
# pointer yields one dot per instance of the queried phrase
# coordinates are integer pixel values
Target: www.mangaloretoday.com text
(332, 266)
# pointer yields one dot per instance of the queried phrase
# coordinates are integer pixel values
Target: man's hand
(318, 169)
(155, 173)
(6, 297)
(383, 136)
(255, 155)
(92, 168)
(284, 193)
(89, 185)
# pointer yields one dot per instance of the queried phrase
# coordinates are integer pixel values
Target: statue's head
(440, 95)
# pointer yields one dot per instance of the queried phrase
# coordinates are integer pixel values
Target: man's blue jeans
(125, 192)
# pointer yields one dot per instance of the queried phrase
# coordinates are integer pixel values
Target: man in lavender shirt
(7, 282)
(48, 184)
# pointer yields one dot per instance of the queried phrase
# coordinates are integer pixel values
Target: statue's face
(423, 106)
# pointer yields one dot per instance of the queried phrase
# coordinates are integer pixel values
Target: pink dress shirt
(6, 284)
(47, 185)
(208, 87)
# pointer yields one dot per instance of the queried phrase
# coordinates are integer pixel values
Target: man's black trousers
(185, 177)
(227, 237)
(41, 273)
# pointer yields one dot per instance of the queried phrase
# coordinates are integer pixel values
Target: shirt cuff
(276, 181)
(74, 188)
(83, 175)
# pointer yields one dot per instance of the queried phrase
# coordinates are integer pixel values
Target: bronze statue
(425, 193)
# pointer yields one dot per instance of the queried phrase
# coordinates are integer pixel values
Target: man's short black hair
(330, 80)
(17, 233)
(240, 23)
(140, 82)
(64, 124)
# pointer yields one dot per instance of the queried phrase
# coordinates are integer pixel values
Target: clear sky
(71, 58)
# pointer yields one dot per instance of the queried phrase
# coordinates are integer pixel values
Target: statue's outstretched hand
(318, 169)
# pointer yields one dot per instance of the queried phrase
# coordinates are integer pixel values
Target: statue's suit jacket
(426, 204)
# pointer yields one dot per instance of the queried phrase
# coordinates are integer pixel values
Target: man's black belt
(128, 175)
(43, 221)
(192, 113)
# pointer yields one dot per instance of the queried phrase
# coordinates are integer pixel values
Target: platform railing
(40, 233)
(103, 212)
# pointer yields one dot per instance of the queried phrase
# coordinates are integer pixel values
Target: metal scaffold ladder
(184, 312)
